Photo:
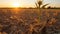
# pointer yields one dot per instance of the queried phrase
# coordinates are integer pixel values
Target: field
(29, 21)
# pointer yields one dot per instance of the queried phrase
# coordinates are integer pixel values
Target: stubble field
(29, 21)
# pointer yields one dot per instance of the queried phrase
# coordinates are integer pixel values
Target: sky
(27, 3)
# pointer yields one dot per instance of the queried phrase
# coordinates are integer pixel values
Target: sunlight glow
(15, 4)
(27, 3)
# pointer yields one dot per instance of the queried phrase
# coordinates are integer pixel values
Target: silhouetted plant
(44, 5)
(39, 3)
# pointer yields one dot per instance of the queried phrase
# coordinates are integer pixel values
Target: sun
(15, 4)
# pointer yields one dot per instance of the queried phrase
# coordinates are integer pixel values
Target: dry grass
(29, 21)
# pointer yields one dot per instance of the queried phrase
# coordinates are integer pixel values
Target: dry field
(29, 21)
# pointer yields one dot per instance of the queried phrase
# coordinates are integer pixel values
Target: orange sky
(27, 3)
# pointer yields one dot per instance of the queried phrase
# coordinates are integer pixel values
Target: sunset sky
(27, 3)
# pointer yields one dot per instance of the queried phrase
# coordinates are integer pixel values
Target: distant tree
(49, 7)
